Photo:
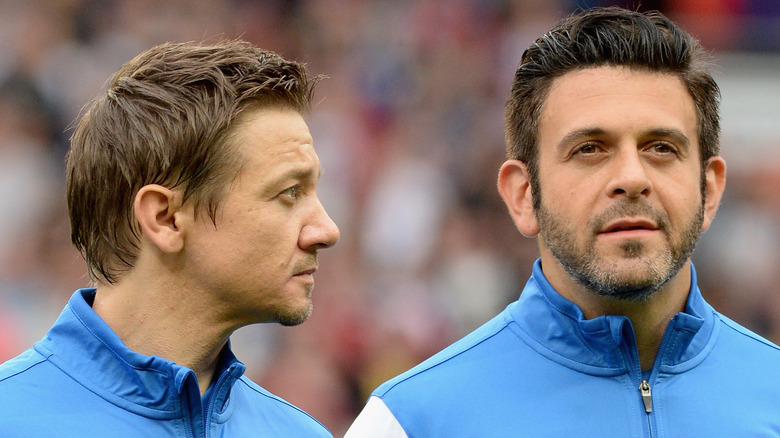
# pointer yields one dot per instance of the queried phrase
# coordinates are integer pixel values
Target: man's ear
(514, 186)
(714, 185)
(157, 210)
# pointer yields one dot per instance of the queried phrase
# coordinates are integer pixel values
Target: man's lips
(309, 271)
(629, 224)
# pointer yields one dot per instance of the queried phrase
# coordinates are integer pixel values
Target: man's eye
(587, 149)
(662, 148)
(292, 192)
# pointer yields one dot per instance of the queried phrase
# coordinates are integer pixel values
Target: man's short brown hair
(166, 118)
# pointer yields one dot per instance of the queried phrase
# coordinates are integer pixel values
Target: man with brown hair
(613, 165)
(192, 196)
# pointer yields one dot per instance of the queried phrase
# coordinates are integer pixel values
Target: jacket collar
(83, 346)
(557, 328)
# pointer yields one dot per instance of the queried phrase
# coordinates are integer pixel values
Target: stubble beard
(649, 272)
(290, 317)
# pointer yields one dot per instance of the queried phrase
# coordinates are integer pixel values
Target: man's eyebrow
(581, 134)
(302, 173)
(675, 135)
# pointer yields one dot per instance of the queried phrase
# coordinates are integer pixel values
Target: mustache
(630, 208)
(306, 264)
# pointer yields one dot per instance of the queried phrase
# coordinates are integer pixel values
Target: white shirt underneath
(376, 421)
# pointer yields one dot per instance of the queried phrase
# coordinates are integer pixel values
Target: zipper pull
(647, 396)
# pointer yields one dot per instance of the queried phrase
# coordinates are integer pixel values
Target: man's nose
(320, 232)
(629, 175)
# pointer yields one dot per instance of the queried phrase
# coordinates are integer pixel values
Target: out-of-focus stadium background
(409, 128)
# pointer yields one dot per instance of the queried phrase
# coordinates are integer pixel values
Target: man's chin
(632, 279)
(291, 318)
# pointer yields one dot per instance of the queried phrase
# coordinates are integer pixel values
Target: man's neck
(152, 319)
(649, 318)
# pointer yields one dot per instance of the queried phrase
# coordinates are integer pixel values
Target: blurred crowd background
(409, 128)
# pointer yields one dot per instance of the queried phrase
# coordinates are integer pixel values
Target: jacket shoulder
(747, 338)
(288, 419)
(14, 369)
(458, 358)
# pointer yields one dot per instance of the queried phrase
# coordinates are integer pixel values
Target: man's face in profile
(259, 260)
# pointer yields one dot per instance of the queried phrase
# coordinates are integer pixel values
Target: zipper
(209, 401)
(647, 395)
(207, 408)
(645, 390)
(207, 411)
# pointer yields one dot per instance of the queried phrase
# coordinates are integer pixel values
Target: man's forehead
(611, 97)
(302, 172)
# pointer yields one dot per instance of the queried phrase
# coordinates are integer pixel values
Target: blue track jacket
(81, 381)
(539, 369)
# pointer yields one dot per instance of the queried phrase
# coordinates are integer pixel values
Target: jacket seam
(251, 386)
(25, 369)
(752, 336)
(505, 325)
